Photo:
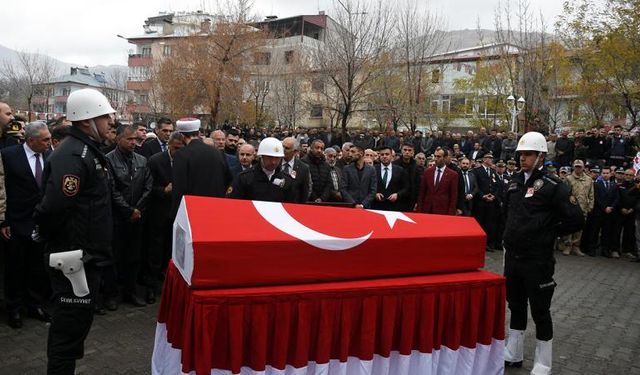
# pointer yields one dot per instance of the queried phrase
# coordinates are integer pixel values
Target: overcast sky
(84, 31)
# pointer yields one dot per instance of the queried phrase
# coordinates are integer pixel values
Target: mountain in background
(11, 56)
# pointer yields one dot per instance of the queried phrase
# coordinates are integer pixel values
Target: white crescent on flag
(276, 215)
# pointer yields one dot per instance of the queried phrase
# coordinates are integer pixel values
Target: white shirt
(526, 176)
(31, 158)
(269, 173)
(389, 173)
(435, 175)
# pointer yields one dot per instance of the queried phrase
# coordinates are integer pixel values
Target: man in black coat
(27, 285)
(414, 173)
(606, 202)
(131, 189)
(164, 128)
(198, 169)
(487, 201)
(320, 172)
(467, 189)
(159, 222)
(359, 180)
(392, 182)
(298, 170)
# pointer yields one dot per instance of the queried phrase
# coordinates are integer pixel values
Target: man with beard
(219, 139)
(331, 156)
(231, 148)
(392, 183)
(359, 180)
(346, 156)
(320, 172)
(468, 190)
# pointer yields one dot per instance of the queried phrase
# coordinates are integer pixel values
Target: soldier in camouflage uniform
(581, 186)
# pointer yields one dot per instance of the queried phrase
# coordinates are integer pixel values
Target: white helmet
(86, 104)
(271, 147)
(532, 141)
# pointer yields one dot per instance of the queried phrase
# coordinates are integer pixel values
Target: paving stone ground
(596, 311)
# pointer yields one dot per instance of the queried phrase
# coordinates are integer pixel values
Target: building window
(66, 91)
(317, 85)
(144, 99)
(435, 76)
(146, 51)
(288, 57)
(316, 111)
(262, 58)
(446, 103)
(166, 51)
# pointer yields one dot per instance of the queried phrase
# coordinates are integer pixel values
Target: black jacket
(150, 147)
(253, 184)
(75, 211)
(159, 209)
(199, 169)
(320, 171)
(605, 197)
(22, 190)
(132, 183)
(414, 173)
(538, 211)
(398, 184)
(301, 181)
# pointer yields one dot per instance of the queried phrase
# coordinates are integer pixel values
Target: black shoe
(15, 319)
(150, 298)
(134, 300)
(39, 313)
(111, 304)
(513, 364)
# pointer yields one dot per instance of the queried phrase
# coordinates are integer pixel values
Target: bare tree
(29, 76)
(117, 81)
(420, 34)
(349, 55)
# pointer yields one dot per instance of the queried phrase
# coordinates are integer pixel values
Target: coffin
(237, 243)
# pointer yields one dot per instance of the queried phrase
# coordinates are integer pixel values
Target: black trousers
(127, 248)
(625, 233)
(486, 213)
(605, 225)
(71, 320)
(157, 253)
(531, 283)
(26, 282)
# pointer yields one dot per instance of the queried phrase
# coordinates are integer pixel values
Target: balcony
(138, 85)
(140, 60)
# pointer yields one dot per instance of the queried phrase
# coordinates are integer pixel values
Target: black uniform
(253, 184)
(538, 211)
(75, 213)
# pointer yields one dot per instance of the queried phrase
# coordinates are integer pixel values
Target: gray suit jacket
(356, 190)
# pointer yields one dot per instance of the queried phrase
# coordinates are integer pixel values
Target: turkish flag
(236, 243)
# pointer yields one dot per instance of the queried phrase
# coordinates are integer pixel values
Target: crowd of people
(113, 189)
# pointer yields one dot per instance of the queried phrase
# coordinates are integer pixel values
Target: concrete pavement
(596, 311)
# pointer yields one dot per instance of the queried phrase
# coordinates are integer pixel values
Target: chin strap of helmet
(94, 131)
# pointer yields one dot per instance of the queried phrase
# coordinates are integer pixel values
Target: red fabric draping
(292, 325)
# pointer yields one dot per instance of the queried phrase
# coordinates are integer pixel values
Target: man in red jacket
(439, 188)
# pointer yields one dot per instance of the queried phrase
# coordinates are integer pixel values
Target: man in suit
(487, 201)
(246, 156)
(477, 152)
(298, 170)
(164, 128)
(393, 182)
(606, 202)
(198, 169)
(439, 188)
(358, 180)
(467, 188)
(414, 173)
(159, 221)
(27, 284)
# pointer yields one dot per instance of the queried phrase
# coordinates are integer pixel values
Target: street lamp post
(515, 108)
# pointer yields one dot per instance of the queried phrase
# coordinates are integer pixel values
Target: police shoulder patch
(70, 185)
(537, 184)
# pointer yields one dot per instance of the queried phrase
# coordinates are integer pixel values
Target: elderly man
(27, 287)
(297, 169)
(246, 156)
(219, 139)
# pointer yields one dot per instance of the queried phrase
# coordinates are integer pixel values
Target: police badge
(70, 185)
(537, 184)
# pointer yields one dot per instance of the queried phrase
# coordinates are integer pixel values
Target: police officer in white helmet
(264, 181)
(539, 209)
(74, 216)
